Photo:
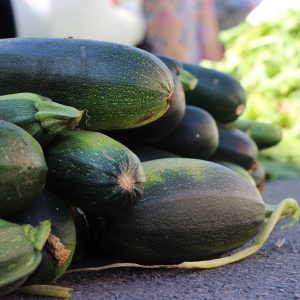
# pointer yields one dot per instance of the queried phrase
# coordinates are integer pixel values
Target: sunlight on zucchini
(285, 208)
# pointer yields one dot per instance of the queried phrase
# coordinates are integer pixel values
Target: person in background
(119, 21)
(189, 30)
(186, 30)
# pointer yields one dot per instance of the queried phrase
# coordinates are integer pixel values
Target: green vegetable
(60, 246)
(265, 135)
(191, 210)
(117, 85)
(217, 92)
(94, 172)
(20, 252)
(23, 168)
(38, 115)
(238, 169)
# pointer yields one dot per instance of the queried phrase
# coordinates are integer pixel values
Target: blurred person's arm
(91, 19)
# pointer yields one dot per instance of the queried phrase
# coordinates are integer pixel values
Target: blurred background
(256, 41)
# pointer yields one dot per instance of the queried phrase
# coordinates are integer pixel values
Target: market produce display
(98, 144)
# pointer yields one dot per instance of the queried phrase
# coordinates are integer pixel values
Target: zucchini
(38, 115)
(145, 153)
(219, 93)
(196, 136)
(191, 209)
(20, 252)
(240, 170)
(162, 127)
(187, 80)
(265, 135)
(235, 146)
(60, 246)
(118, 86)
(94, 172)
(23, 168)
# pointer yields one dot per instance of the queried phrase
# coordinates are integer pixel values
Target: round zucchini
(60, 246)
(23, 168)
(191, 210)
(94, 172)
(196, 136)
(118, 86)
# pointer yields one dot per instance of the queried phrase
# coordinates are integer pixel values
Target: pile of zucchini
(106, 149)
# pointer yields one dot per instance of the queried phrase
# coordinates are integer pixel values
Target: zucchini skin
(264, 134)
(47, 206)
(235, 146)
(146, 153)
(191, 210)
(117, 85)
(40, 116)
(162, 127)
(23, 168)
(195, 137)
(218, 93)
(94, 172)
(20, 252)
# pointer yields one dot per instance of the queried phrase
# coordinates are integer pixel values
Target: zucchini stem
(187, 80)
(46, 291)
(285, 208)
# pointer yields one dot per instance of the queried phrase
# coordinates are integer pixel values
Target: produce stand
(272, 273)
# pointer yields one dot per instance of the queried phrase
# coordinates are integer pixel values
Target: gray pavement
(272, 273)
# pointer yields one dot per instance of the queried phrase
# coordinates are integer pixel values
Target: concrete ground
(272, 273)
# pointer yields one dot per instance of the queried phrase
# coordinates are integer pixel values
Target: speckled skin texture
(23, 168)
(271, 273)
(85, 168)
(119, 86)
(191, 209)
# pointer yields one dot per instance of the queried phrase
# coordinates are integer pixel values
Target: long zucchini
(117, 85)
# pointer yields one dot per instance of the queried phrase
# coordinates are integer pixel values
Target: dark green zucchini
(117, 85)
(187, 80)
(83, 234)
(264, 134)
(162, 127)
(23, 168)
(58, 251)
(145, 153)
(94, 172)
(240, 170)
(235, 146)
(20, 252)
(38, 115)
(191, 210)
(219, 93)
(196, 136)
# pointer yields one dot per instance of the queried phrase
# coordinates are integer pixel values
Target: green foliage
(266, 60)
